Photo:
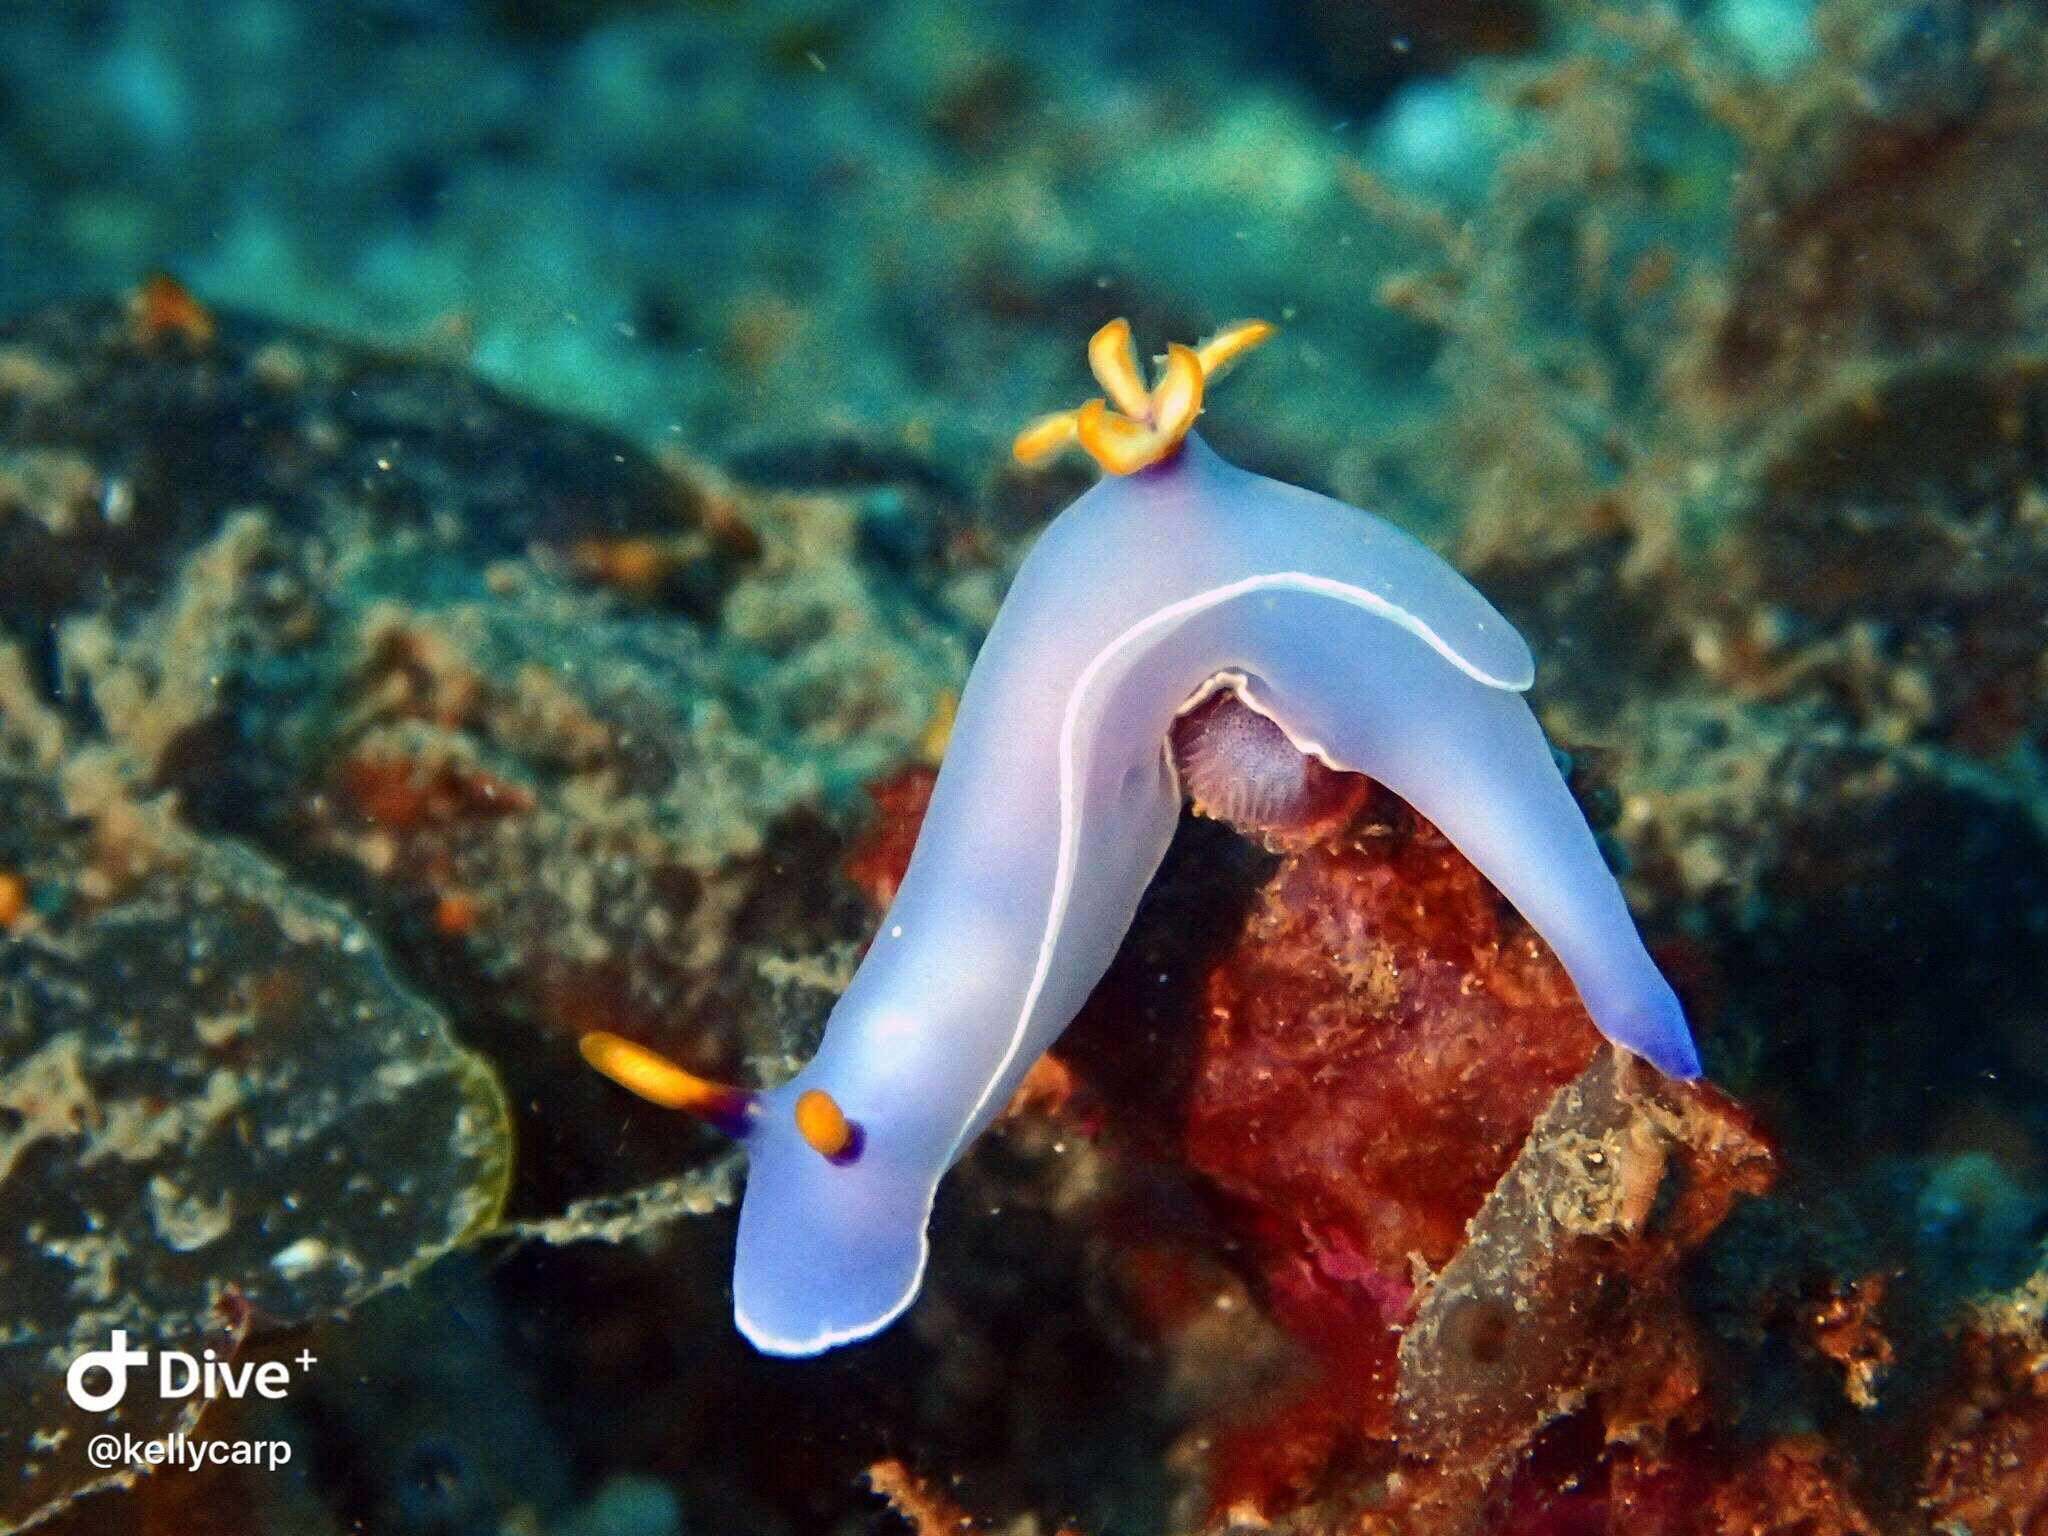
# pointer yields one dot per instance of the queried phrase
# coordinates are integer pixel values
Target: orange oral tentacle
(660, 1081)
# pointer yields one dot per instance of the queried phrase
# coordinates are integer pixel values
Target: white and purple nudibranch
(1173, 578)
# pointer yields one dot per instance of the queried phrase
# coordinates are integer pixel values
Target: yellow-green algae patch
(218, 1109)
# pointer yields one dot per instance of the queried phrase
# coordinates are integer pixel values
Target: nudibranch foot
(1238, 763)
(1472, 760)
(1475, 762)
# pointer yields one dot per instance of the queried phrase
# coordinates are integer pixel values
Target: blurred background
(746, 224)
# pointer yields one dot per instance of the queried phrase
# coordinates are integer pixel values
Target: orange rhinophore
(13, 900)
(824, 1126)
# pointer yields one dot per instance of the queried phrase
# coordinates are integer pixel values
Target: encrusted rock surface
(220, 1107)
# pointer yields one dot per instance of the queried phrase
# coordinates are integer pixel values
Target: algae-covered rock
(1987, 1455)
(217, 1106)
(554, 716)
(126, 440)
(1565, 1285)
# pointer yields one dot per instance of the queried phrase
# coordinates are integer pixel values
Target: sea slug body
(1174, 577)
